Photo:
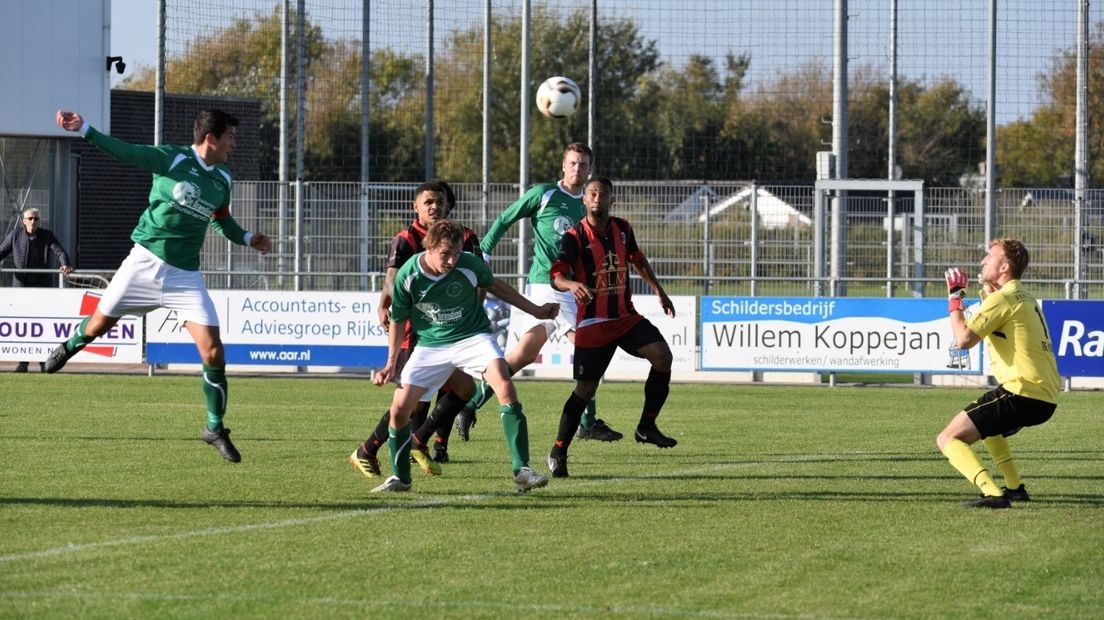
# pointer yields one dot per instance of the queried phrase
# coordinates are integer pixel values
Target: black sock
(448, 406)
(656, 389)
(378, 436)
(418, 417)
(569, 422)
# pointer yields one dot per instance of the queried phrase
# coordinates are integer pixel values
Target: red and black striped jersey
(600, 260)
(409, 242)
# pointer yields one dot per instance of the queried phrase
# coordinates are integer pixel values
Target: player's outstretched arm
(510, 295)
(153, 159)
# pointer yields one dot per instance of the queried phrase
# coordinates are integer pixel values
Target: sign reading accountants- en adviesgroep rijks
(309, 328)
(831, 334)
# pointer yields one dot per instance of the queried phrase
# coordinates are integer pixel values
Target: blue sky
(937, 38)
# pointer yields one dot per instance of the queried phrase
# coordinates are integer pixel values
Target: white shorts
(144, 282)
(541, 294)
(430, 367)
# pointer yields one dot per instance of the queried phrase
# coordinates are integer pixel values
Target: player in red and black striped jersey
(593, 265)
(433, 200)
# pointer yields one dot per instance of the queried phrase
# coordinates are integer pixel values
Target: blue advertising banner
(1077, 333)
(831, 334)
(280, 328)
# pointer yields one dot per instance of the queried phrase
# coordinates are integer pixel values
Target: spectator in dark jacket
(30, 247)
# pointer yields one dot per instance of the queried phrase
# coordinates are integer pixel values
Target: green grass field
(779, 502)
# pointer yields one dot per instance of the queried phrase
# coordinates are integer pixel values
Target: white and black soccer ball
(558, 97)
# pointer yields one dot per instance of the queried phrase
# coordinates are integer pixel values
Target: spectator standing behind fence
(30, 247)
(1023, 363)
(191, 191)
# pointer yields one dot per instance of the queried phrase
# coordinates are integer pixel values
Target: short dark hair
(428, 186)
(446, 189)
(580, 147)
(1016, 255)
(441, 232)
(605, 181)
(212, 122)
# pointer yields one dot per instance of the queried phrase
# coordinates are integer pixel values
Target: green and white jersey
(442, 309)
(187, 195)
(552, 211)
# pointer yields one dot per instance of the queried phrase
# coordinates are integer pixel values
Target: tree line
(655, 120)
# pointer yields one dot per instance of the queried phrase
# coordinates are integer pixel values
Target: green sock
(516, 429)
(78, 339)
(483, 391)
(398, 444)
(590, 415)
(216, 392)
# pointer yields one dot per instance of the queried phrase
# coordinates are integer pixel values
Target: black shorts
(591, 362)
(1001, 412)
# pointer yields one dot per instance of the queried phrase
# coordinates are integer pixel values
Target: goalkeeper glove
(957, 280)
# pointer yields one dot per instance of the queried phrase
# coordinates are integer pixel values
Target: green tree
(1040, 151)
(239, 60)
(776, 130)
(624, 58)
(940, 132)
(1037, 152)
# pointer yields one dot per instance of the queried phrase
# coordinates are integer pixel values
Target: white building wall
(53, 55)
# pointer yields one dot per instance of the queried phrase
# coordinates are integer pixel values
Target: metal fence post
(298, 243)
(707, 245)
(754, 271)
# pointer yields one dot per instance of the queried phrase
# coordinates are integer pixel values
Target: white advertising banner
(832, 334)
(34, 321)
(680, 332)
(280, 328)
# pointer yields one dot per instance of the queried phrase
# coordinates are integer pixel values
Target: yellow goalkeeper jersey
(1020, 352)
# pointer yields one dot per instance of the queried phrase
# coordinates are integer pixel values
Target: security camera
(120, 66)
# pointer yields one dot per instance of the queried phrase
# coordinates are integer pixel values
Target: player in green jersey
(191, 191)
(436, 295)
(552, 208)
(1022, 361)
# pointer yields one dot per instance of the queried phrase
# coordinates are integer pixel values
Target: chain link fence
(700, 237)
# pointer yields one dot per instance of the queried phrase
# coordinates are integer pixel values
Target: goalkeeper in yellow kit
(1022, 361)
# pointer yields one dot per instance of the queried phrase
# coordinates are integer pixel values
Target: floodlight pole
(891, 159)
(1081, 148)
(523, 143)
(991, 131)
(839, 148)
(159, 78)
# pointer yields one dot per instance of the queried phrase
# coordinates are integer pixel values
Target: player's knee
(664, 360)
(212, 354)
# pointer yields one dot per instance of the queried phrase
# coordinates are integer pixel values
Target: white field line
(370, 511)
(378, 603)
(430, 503)
(421, 604)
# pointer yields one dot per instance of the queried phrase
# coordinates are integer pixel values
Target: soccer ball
(558, 97)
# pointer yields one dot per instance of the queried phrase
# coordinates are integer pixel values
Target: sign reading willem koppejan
(831, 334)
